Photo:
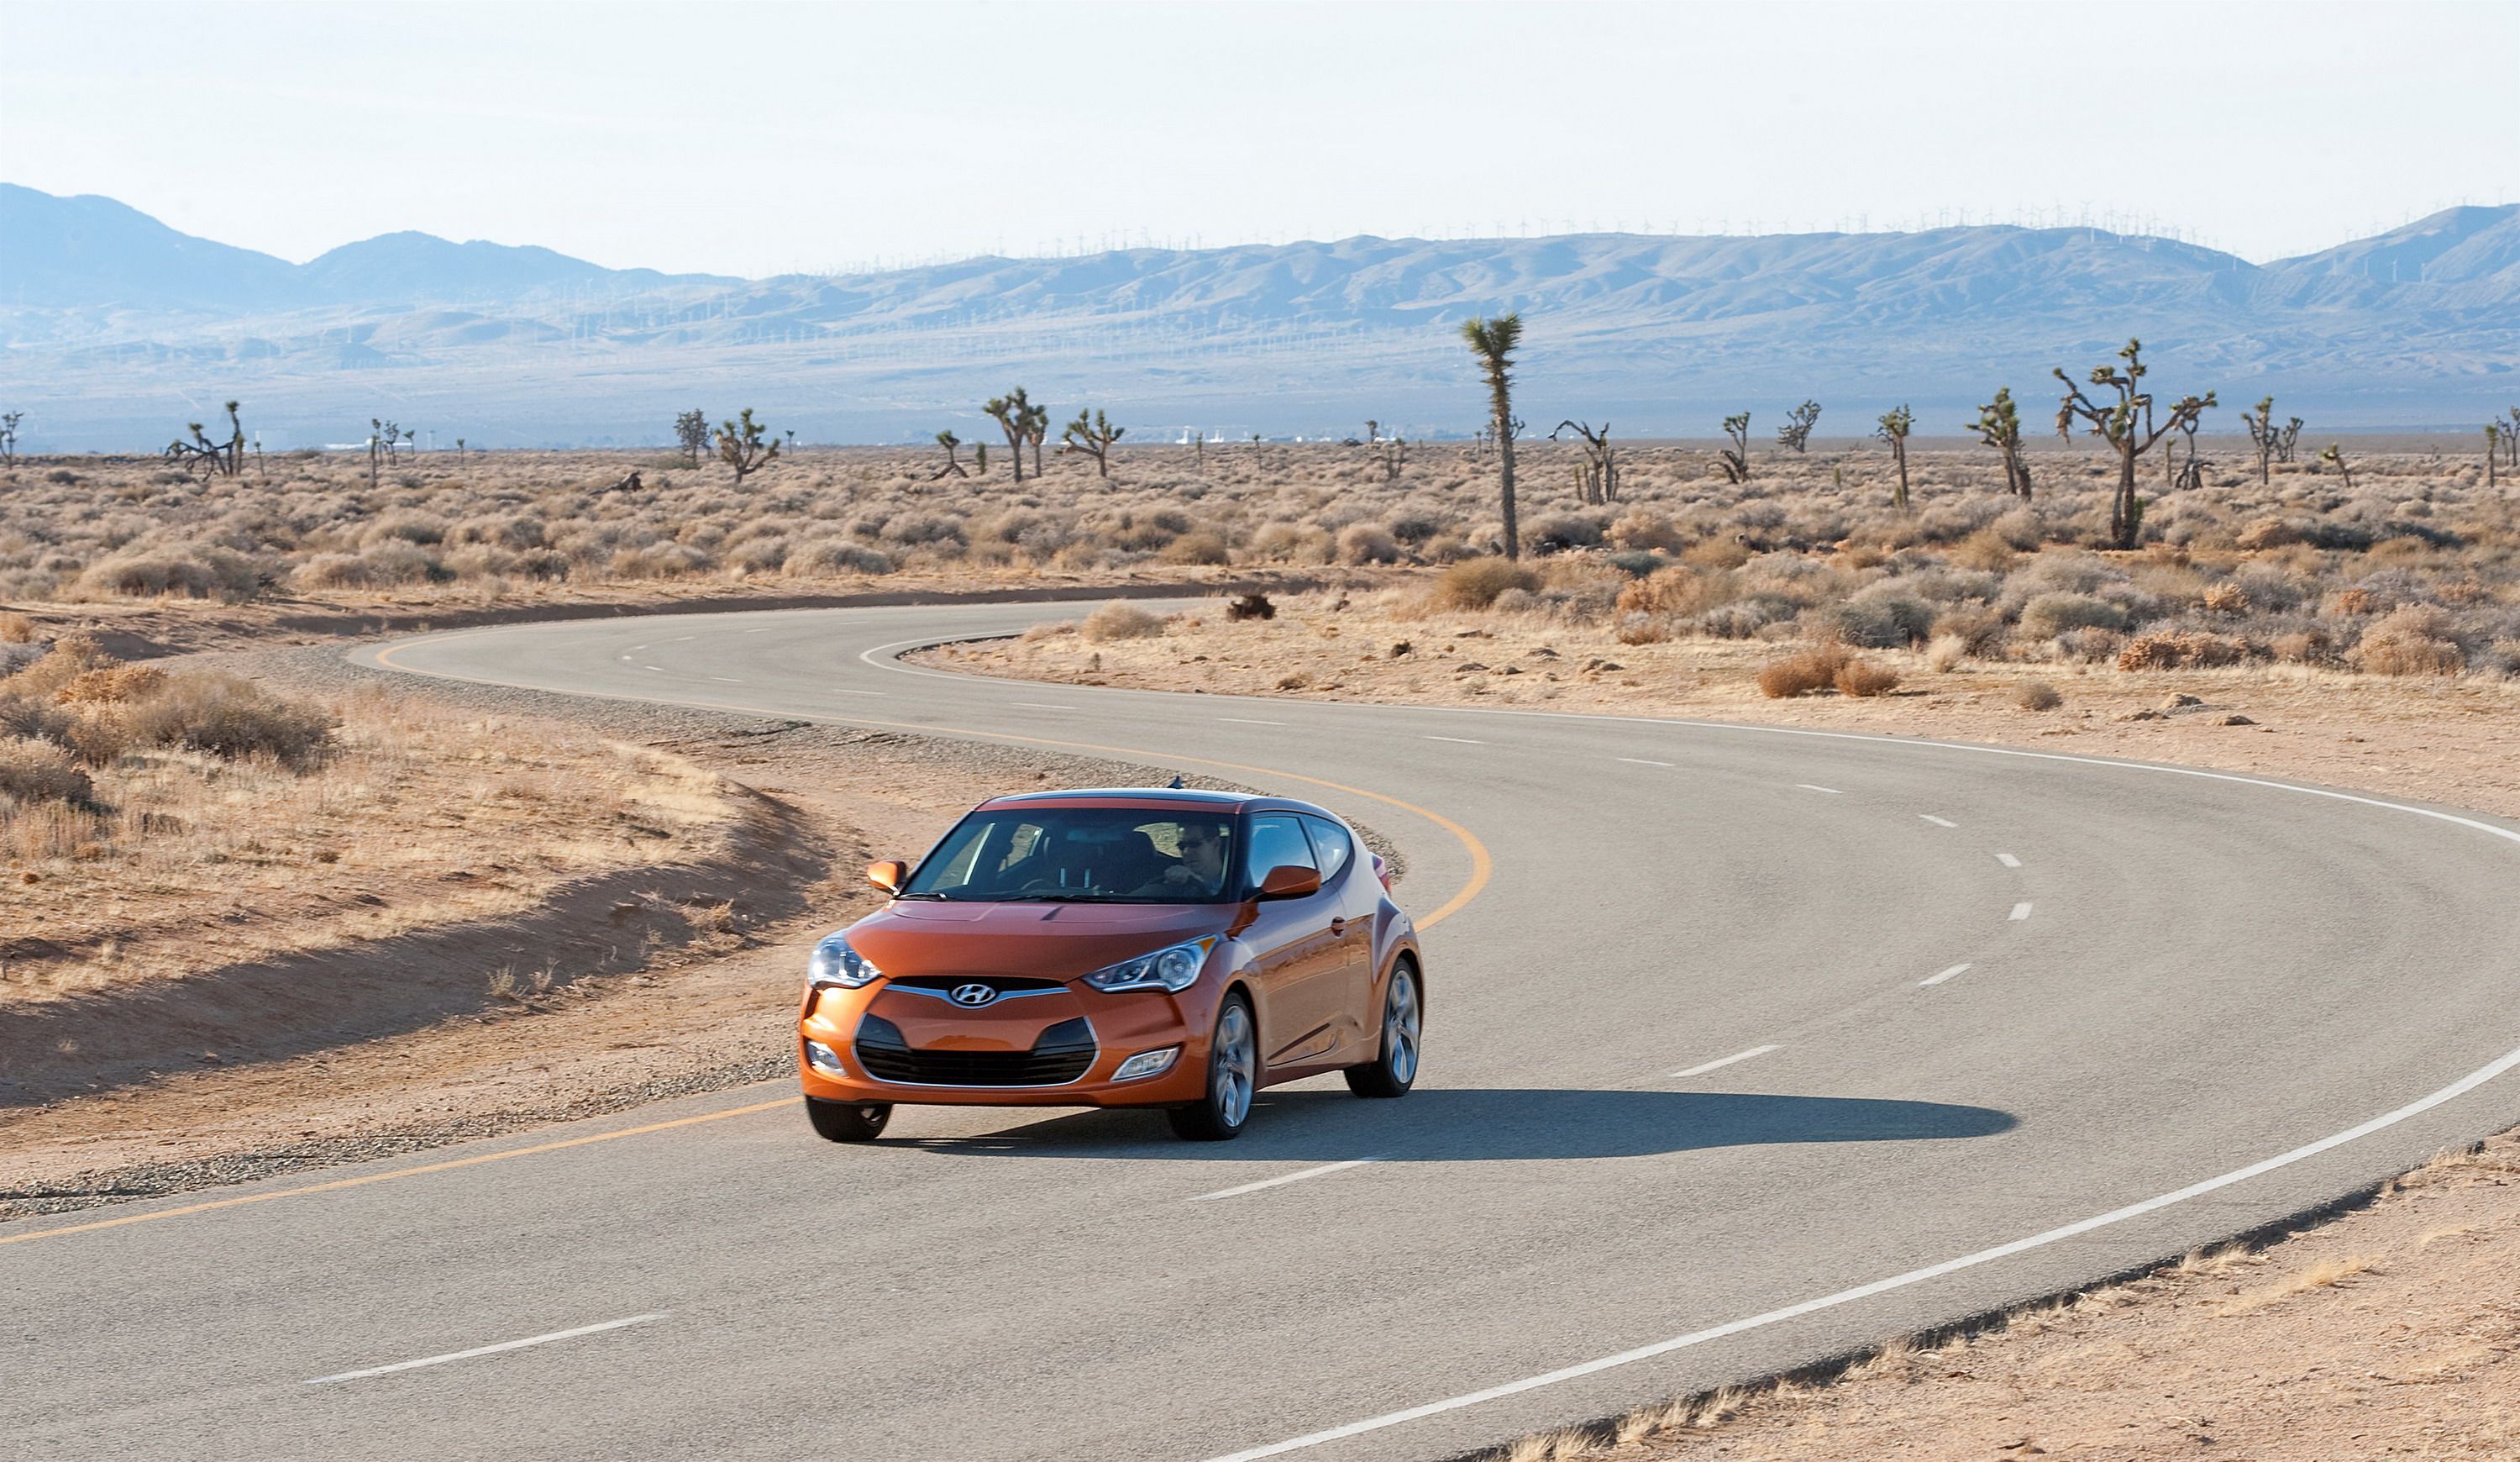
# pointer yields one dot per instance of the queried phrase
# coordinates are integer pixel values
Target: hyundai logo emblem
(973, 994)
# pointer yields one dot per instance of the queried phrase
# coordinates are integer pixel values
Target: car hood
(1042, 940)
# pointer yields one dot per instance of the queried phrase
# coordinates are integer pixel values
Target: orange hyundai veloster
(1116, 949)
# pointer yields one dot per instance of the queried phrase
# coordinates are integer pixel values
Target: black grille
(1062, 1054)
(946, 984)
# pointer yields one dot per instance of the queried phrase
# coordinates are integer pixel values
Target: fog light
(1147, 1064)
(823, 1058)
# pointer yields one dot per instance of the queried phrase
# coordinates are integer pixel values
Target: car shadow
(1487, 1125)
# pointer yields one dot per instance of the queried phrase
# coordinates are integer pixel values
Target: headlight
(1172, 969)
(835, 966)
(825, 1058)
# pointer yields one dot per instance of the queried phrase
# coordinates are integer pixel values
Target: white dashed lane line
(1641, 761)
(1463, 740)
(1325, 1170)
(1939, 822)
(1244, 720)
(1946, 975)
(1700, 1071)
(2020, 911)
(2007, 860)
(513, 1345)
(1816, 787)
(1040, 705)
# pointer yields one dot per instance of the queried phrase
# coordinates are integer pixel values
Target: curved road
(1746, 1047)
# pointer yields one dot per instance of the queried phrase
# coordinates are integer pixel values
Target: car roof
(1151, 797)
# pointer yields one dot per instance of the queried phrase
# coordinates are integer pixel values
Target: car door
(1355, 896)
(1295, 959)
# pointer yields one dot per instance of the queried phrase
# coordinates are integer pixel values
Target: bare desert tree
(211, 459)
(1395, 457)
(746, 446)
(1013, 415)
(1092, 436)
(2126, 425)
(1036, 425)
(2493, 449)
(1599, 482)
(1736, 459)
(1998, 426)
(2286, 438)
(952, 467)
(1494, 342)
(1895, 426)
(2191, 472)
(2511, 439)
(690, 428)
(9, 437)
(1797, 430)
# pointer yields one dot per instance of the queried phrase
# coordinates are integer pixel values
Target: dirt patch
(2391, 1331)
(2447, 739)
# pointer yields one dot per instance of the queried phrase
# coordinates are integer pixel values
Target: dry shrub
(2037, 695)
(188, 570)
(1475, 583)
(2226, 598)
(1252, 606)
(2179, 648)
(2052, 614)
(1048, 630)
(1864, 677)
(2411, 640)
(228, 716)
(1801, 675)
(1646, 529)
(1118, 620)
(36, 771)
(825, 557)
(1946, 653)
(16, 629)
(2307, 646)
(111, 685)
(1641, 629)
(1201, 548)
(1367, 543)
(2354, 601)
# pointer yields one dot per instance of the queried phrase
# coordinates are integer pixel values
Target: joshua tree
(981, 458)
(2192, 475)
(9, 437)
(1600, 481)
(2493, 449)
(952, 467)
(1797, 430)
(2266, 434)
(1893, 429)
(211, 459)
(2126, 425)
(746, 446)
(1735, 460)
(1493, 341)
(1094, 437)
(1998, 426)
(2336, 459)
(2510, 439)
(690, 428)
(2285, 439)
(1373, 431)
(1395, 456)
(459, 449)
(1014, 414)
(1036, 427)
(376, 445)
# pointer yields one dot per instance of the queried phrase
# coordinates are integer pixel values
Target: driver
(1198, 872)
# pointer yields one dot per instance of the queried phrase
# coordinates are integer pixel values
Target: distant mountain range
(114, 330)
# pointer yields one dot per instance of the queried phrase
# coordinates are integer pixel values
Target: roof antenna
(1175, 784)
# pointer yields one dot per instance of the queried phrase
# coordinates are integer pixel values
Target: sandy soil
(2453, 739)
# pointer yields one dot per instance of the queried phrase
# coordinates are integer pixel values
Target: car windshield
(1081, 854)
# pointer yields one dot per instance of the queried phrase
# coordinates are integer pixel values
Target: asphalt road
(1703, 1099)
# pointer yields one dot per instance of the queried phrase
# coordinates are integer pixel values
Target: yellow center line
(1481, 866)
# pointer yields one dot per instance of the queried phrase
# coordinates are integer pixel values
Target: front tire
(1394, 1070)
(847, 1121)
(1233, 1078)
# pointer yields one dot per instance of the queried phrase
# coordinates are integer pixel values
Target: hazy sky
(750, 139)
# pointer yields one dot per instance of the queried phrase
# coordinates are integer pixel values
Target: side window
(1276, 840)
(1332, 847)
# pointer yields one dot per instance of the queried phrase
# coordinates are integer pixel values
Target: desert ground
(198, 796)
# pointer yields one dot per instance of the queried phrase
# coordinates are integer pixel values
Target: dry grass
(1121, 621)
(156, 823)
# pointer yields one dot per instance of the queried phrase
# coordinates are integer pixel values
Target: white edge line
(1244, 720)
(2020, 911)
(513, 1345)
(1700, 1071)
(2007, 860)
(1939, 979)
(1939, 822)
(1464, 740)
(1816, 787)
(1641, 761)
(1040, 705)
(2459, 1087)
(1324, 1171)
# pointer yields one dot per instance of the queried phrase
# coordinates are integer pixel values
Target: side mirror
(888, 874)
(1290, 881)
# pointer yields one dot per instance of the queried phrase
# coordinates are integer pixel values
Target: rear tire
(1233, 1078)
(847, 1121)
(1394, 1069)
